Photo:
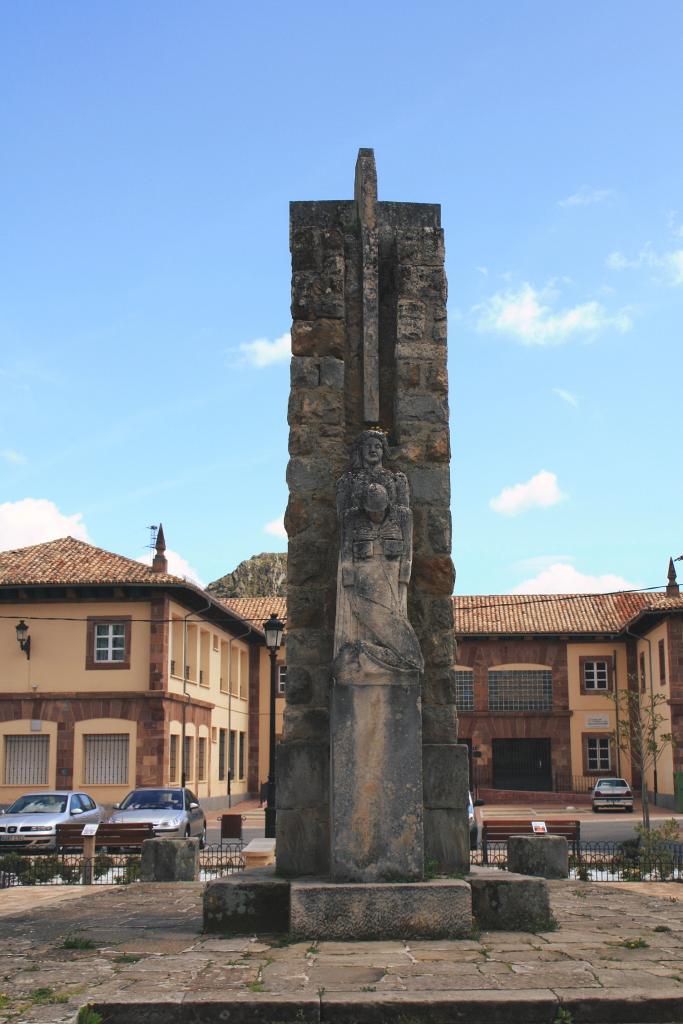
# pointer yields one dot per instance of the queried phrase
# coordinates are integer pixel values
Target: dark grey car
(30, 822)
(173, 813)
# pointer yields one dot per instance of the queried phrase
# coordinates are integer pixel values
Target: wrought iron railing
(105, 868)
(628, 861)
(560, 782)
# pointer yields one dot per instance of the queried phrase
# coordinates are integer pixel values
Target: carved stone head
(369, 450)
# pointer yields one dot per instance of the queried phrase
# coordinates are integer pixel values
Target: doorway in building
(522, 764)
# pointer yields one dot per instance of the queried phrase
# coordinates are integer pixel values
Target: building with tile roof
(533, 678)
(103, 701)
(131, 676)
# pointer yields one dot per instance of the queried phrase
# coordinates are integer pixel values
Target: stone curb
(534, 1006)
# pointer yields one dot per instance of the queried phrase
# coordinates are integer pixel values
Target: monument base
(348, 911)
(316, 908)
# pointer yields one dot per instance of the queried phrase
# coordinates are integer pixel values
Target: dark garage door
(522, 764)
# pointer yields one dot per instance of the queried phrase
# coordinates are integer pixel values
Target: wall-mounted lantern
(23, 639)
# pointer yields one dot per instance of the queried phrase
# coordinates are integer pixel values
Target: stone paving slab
(617, 956)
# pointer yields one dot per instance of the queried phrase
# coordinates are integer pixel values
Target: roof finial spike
(160, 562)
(672, 588)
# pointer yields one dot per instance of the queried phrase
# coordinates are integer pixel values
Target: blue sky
(149, 155)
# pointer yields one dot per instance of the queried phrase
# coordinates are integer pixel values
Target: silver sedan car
(172, 812)
(30, 823)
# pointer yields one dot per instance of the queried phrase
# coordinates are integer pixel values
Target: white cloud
(670, 263)
(34, 520)
(587, 197)
(10, 455)
(567, 396)
(483, 270)
(177, 566)
(262, 352)
(561, 578)
(522, 315)
(541, 491)
(276, 527)
(539, 562)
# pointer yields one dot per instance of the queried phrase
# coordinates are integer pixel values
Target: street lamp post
(273, 629)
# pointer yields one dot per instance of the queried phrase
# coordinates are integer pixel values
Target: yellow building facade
(130, 677)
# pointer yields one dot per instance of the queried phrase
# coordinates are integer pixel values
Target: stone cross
(365, 195)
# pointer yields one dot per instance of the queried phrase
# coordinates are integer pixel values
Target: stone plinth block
(170, 860)
(447, 840)
(303, 773)
(446, 775)
(376, 775)
(505, 902)
(544, 856)
(237, 905)
(337, 911)
(303, 841)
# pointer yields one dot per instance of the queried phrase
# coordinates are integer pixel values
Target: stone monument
(370, 779)
(371, 782)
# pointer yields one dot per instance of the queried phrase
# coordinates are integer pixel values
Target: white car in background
(608, 793)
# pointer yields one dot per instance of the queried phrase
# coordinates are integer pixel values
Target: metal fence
(105, 868)
(628, 861)
(557, 782)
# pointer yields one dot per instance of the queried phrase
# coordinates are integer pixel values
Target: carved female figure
(374, 640)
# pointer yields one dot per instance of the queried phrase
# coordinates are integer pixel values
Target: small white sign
(597, 721)
(90, 830)
(539, 827)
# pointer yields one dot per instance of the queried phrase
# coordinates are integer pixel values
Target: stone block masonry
(368, 349)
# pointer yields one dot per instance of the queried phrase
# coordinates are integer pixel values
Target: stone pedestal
(543, 856)
(441, 909)
(170, 860)
(243, 905)
(377, 781)
(502, 901)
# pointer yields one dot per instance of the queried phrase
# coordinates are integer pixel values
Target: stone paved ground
(616, 956)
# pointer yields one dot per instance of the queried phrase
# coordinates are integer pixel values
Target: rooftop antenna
(153, 530)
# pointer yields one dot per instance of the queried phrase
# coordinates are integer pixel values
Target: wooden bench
(127, 835)
(499, 830)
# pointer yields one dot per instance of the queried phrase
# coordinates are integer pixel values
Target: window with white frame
(598, 754)
(281, 678)
(105, 759)
(110, 641)
(596, 674)
(27, 760)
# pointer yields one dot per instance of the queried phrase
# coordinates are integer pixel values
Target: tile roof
(510, 614)
(255, 610)
(554, 613)
(70, 561)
